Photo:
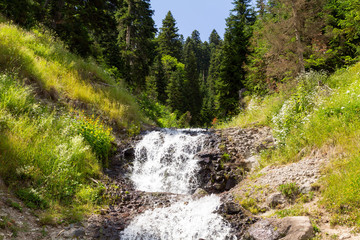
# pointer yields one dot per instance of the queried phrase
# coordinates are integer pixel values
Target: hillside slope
(57, 115)
(315, 117)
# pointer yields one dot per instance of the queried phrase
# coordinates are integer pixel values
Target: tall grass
(321, 113)
(37, 57)
(44, 156)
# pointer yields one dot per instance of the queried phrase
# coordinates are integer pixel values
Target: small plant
(32, 198)
(8, 223)
(13, 204)
(250, 204)
(97, 135)
(289, 190)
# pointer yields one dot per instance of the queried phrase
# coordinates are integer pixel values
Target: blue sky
(202, 15)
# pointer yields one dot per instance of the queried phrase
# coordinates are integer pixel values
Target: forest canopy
(199, 81)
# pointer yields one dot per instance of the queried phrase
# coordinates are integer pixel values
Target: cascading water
(183, 220)
(165, 162)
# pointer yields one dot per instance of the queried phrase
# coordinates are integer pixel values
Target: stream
(165, 161)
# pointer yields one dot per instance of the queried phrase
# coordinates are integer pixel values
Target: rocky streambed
(221, 159)
(178, 184)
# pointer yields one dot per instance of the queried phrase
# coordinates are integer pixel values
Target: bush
(289, 190)
(96, 134)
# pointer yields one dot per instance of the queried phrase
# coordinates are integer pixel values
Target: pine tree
(169, 41)
(235, 51)
(214, 39)
(136, 34)
(192, 95)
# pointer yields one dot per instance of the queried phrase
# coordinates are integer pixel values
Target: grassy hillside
(317, 112)
(56, 110)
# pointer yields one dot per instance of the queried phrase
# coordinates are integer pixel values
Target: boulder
(289, 228)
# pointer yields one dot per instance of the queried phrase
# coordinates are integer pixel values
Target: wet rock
(200, 193)
(230, 183)
(129, 153)
(233, 208)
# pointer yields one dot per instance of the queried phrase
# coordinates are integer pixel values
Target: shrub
(96, 134)
(289, 190)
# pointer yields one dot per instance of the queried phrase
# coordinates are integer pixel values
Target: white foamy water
(184, 220)
(164, 161)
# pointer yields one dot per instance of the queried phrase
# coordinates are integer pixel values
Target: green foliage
(250, 204)
(234, 56)
(43, 155)
(36, 57)
(13, 204)
(295, 110)
(157, 112)
(136, 34)
(32, 198)
(96, 134)
(169, 40)
(289, 190)
(297, 210)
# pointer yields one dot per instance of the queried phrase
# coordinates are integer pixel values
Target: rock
(233, 208)
(262, 230)
(289, 228)
(305, 188)
(251, 163)
(79, 233)
(296, 228)
(275, 199)
(345, 236)
(129, 154)
(230, 183)
(200, 193)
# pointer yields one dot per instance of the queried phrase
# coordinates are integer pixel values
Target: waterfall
(184, 220)
(165, 162)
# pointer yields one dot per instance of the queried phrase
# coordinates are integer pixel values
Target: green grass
(55, 113)
(36, 57)
(323, 118)
(44, 156)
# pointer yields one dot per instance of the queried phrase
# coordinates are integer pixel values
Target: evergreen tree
(169, 40)
(235, 52)
(191, 88)
(214, 39)
(136, 34)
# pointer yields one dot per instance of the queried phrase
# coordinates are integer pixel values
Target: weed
(32, 198)
(289, 190)
(297, 210)
(13, 204)
(250, 204)
(96, 134)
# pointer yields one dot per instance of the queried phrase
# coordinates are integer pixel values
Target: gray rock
(275, 199)
(289, 228)
(262, 230)
(74, 233)
(200, 193)
(233, 208)
(298, 228)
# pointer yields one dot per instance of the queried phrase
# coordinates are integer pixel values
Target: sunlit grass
(37, 57)
(321, 114)
(44, 157)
